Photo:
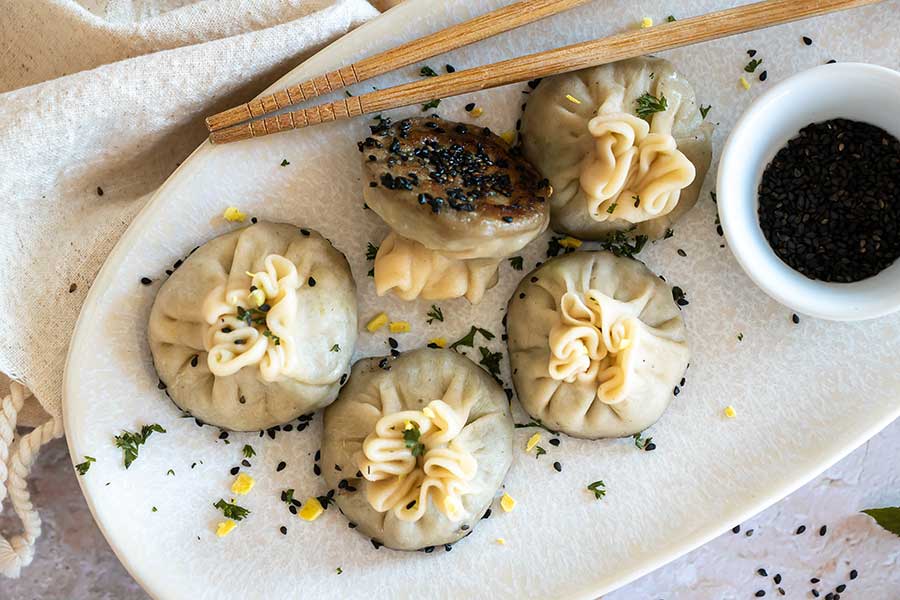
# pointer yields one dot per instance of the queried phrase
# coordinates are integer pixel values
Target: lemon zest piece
(730, 412)
(507, 503)
(242, 485)
(438, 341)
(399, 327)
(224, 528)
(377, 322)
(570, 242)
(311, 510)
(532, 442)
(232, 214)
(745, 83)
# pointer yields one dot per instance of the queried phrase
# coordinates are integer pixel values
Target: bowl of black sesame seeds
(809, 192)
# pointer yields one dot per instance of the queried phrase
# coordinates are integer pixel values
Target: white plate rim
(589, 590)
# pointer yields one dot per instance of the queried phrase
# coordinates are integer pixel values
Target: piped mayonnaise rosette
(634, 173)
(595, 340)
(255, 325)
(413, 456)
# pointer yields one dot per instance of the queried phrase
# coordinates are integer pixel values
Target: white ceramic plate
(805, 394)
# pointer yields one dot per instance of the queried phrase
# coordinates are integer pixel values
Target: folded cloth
(101, 100)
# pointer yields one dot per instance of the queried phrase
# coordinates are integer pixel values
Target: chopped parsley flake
(704, 110)
(435, 314)
(516, 262)
(336, 348)
(539, 451)
(620, 244)
(287, 496)
(427, 71)
(671, 19)
(411, 440)
(285, 162)
(490, 361)
(371, 251)
(469, 338)
(130, 441)
(248, 451)
(534, 423)
(599, 489)
(170, 472)
(232, 511)
(740, 336)
(339, 570)
(430, 104)
(641, 443)
(612, 208)
(275, 339)
(83, 467)
(752, 65)
(648, 104)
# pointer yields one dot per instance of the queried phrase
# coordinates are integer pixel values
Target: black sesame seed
(293, 509)
(781, 591)
(318, 455)
(223, 435)
(392, 342)
(254, 220)
(99, 191)
(815, 580)
(831, 62)
(235, 470)
(377, 544)
(288, 427)
(161, 385)
(762, 572)
(800, 530)
(854, 574)
(447, 547)
(736, 529)
(305, 232)
(450, 68)
(829, 596)
(764, 75)
(317, 470)
(195, 360)
(823, 530)
(343, 378)
(554, 441)
(281, 466)
(807, 40)
(795, 318)
(839, 589)
(557, 466)
(311, 282)
(760, 593)
(283, 530)
(146, 281)
(522, 296)
(815, 593)
(428, 549)
(681, 252)
(246, 463)
(751, 53)
(777, 578)
(487, 514)
(470, 107)
(748, 533)
(351, 525)
(676, 390)
(507, 219)
(650, 447)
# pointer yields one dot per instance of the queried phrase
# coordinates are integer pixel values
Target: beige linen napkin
(100, 100)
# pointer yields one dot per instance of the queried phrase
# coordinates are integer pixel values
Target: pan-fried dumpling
(256, 327)
(422, 443)
(458, 203)
(624, 146)
(596, 344)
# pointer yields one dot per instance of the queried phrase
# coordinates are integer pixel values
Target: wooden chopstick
(552, 62)
(503, 19)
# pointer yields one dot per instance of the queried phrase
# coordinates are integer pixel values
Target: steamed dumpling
(458, 203)
(612, 170)
(423, 442)
(596, 344)
(256, 327)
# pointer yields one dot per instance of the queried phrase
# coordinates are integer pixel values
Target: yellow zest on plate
(377, 322)
(224, 528)
(532, 442)
(233, 214)
(730, 412)
(646, 23)
(507, 503)
(399, 327)
(572, 99)
(509, 136)
(745, 83)
(311, 510)
(476, 112)
(438, 341)
(570, 242)
(242, 485)
(501, 541)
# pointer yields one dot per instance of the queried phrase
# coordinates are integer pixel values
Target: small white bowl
(860, 92)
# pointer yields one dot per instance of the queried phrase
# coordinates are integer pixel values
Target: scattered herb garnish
(599, 489)
(469, 338)
(336, 348)
(430, 104)
(534, 423)
(516, 262)
(129, 441)
(170, 472)
(287, 496)
(371, 251)
(411, 440)
(888, 517)
(641, 443)
(275, 339)
(648, 104)
(740, 336)
(339, 570)
(231, 511)
(752, 65)
(427, 71)
(491, 361)
(670, 19)
(435, 314)
(539, 451)
(612, 207)
(669, 233)
(704, 110)
(554, 247)
(153, 509)
(252, 316)
(621, 245)
(248, 451)
(83, 467)
(285, 162)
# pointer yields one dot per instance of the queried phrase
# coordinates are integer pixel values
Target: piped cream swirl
(243, 333)
(403, 483)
